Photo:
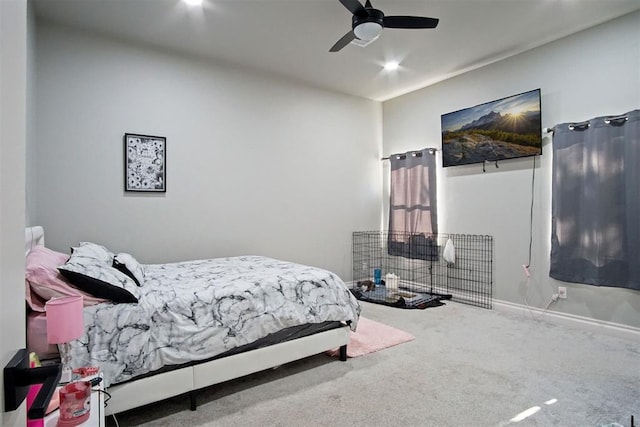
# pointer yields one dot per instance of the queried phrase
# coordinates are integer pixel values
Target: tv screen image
(506, 128)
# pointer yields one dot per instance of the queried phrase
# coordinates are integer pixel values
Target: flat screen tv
(503, 129)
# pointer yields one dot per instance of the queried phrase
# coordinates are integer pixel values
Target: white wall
(592, 73)
(30, 177)
(13, 113)
(255, 165)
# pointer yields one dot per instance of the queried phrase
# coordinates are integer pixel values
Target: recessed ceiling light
(391, 66)
(193, 2)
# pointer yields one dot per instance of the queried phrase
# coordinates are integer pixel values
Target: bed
(162, 330)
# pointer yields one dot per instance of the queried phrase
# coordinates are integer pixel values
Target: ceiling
(291, 38)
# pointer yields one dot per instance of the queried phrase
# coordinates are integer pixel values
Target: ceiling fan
(367, 23)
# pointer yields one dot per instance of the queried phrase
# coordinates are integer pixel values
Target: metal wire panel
(418, 262)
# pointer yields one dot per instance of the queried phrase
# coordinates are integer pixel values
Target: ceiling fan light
(368, 31)
(391, 66)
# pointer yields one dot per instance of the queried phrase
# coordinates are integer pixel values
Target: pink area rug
(372, 336)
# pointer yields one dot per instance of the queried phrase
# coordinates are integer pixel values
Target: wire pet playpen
(416, 270)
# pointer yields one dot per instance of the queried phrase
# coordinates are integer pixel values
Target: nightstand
(96, 418)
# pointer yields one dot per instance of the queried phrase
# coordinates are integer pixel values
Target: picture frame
(145, 163)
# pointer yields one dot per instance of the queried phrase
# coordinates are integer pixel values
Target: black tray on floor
(400, 298)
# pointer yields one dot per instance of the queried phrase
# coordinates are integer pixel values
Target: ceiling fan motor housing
(373, 15)
(370, 25)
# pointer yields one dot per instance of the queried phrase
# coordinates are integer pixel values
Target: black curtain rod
(616, 120)
(431, 151)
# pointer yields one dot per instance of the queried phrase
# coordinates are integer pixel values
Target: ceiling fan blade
(345, 40)
(410, 22)
(354, 7)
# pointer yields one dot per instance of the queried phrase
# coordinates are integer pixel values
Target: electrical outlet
(365, 267)
(562, 292)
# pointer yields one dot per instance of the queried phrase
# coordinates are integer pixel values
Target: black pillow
(97, 287)
(90, 269)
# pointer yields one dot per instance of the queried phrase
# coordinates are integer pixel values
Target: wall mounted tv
(503, 129)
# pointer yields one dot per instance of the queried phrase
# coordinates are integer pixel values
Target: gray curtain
(596, 202)
(413, 201)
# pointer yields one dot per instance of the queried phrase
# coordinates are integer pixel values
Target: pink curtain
(413, 203)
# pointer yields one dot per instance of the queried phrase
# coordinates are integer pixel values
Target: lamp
(368, 31)
(64, 324)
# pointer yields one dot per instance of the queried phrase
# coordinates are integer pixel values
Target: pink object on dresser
(64, 319)
(64, 324)
(75, 403)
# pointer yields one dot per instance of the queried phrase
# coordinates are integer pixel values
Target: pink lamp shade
(64, 319)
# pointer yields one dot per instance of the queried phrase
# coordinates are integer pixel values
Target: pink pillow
(44, 281)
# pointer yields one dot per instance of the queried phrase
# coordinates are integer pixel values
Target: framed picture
(145, 163)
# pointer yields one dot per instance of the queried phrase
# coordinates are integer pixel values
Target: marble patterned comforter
(194, 310)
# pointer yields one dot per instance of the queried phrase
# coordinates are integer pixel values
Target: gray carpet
(467, 367)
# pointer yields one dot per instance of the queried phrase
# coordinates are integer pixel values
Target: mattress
(37, 337)
(288, 334)
(196, 310)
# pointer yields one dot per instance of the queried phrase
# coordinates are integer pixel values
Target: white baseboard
(586, 323)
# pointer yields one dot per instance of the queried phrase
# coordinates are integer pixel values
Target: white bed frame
(189, 379)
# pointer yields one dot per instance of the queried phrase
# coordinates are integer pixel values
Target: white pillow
(95, 251)
(130, 266)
